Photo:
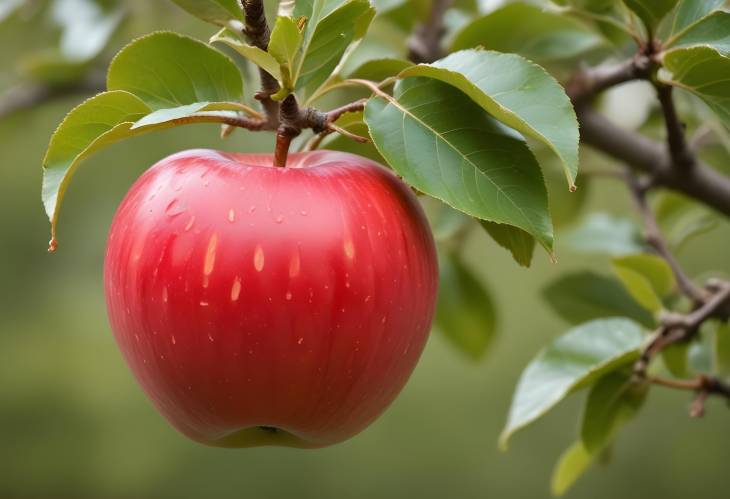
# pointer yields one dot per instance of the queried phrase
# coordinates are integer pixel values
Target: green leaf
(614, 400)
(582, 296)
(571, 465)
(332, 26)
(465, 312)
(99, 121)
(443, 145)
(676, 359)
(647, 277)
(379, 69)
(572, 361)
(721, 350)
(596, 6)
(182, 113)
(704, 72)
(213, 11)
(286, 38)
(712, 31)
(261, 58)
(169, 70)
(516, 241)
(691, 11)
(603, 233)
(518, 93)
(530, 31)
(651, 12)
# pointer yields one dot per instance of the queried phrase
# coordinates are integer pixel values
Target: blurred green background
(73, 422)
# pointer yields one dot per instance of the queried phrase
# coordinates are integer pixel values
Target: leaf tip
(52, 245)
(572, 187)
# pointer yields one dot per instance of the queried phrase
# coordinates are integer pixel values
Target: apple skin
(270, 306)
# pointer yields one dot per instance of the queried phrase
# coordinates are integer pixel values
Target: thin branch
(640, 153)
(682, 155)
(654, 238)
(589, 82)
(425, 43)
(680, 328)
(703, 385)
(352, 107)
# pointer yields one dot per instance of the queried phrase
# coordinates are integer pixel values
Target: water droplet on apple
(164, 295)
(210, 338)
(258, 258)
(279, 219)
(232, 215)
(172, 339)
(252, 209)
(203, 303)
(236, 289)
(174, 208)
(300, 341)
(303, 213)
(190, 223)
(288, 296)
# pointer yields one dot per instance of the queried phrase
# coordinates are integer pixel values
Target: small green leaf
(379, 69)
(529, 31)
(572, 361)
(286, 38)
(515, 91)
(712, 31)
(691, 11)
(465, 312)
(721, 349)
(167, 70)
(181, 113)
(443, 145)
(587, 295)
(571, 465)
(647, 277)
(213, 11)
(605, 234)
(676, 359)
(332, 26)
(704, 72)
(651, 12)
(261, 58)
(99, 121)
(614, 400)
(516, 241)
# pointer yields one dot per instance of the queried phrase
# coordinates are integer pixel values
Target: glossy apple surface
(270, 306)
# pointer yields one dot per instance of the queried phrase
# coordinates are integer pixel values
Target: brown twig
(703, 385)
(679, 328)
(682, 155)
(257, 31)
(640, 153)
(653, 236)
(425, 44)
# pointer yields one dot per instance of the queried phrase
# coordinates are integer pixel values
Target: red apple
(270, 306)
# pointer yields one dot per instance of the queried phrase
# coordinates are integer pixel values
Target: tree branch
(665, 165)
(679, 328)
(257, 31)
(425, 44)
(703, 385)
(654, 238)
(682, 155)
